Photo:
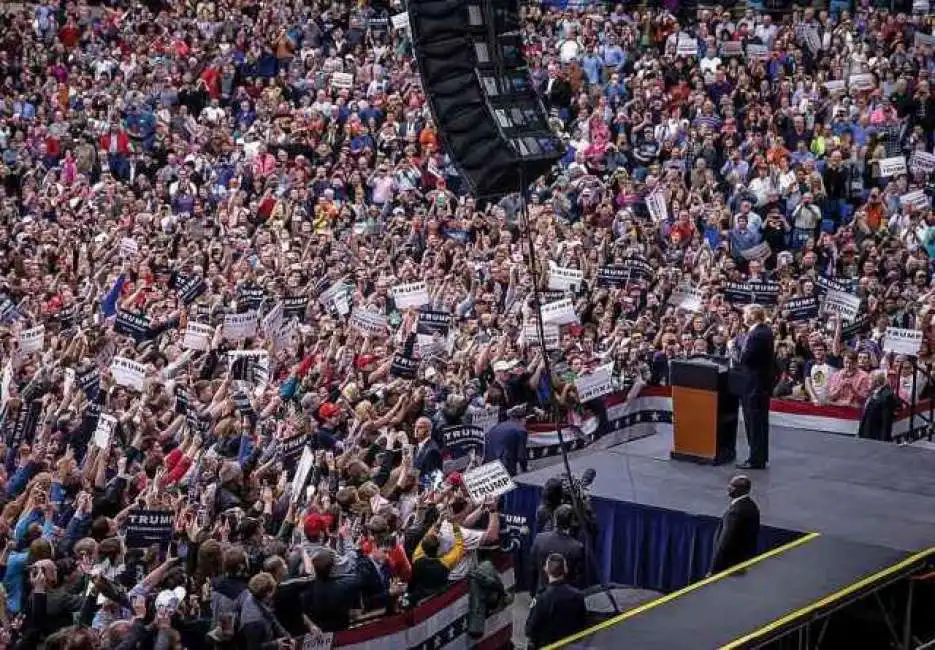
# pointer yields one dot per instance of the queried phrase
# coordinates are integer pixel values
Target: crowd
(244, 291)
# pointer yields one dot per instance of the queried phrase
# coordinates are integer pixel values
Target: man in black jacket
(330, 599)
(836, 179)
(558, 541)
(757, 362)
(736, 538)
(558, 611)
(556, 91)
(876, 422)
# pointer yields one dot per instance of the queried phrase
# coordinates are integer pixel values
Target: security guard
(558, 541)
(558, 610)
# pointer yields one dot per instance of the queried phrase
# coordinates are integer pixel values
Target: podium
(704, 411)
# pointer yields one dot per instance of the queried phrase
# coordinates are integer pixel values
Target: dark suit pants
(756, 421)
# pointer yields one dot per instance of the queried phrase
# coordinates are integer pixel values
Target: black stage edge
(862, 491)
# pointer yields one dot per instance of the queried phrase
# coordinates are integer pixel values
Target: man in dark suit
(556, 612)
(736, 536)
(558, 540)
(757, 362)
(506, 441)
(556, 91)
(427, 458)
(876, 422)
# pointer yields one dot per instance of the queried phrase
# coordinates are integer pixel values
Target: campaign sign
(845, 304)
(802, 308)
(295, 307)
(368, 322)
(486, 418)
(128, 372)
(22, 428)
(134, 325)
(565, 279)
(148, 527)
(191, 288)
(893, 166)
(238, 327)
(89, 380)
(32, 340)
(290, 449)
(431, 322)
(198, 337)
(560, 312)
(596, 383)
(459, 441)
(902, 341)
(488, 481)
(411, 294)
(688, 298)
(404, 367)
(745, 293)
(249, 297)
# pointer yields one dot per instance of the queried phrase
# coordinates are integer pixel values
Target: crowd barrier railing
(651, 412)
(438, 622)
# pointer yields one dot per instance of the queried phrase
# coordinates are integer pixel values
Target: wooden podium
(704, 412)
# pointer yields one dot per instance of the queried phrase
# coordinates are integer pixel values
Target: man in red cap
(329, 418)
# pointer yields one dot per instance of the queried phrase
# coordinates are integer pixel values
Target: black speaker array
(490, 119)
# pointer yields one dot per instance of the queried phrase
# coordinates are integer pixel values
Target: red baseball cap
(328, 410)
(364, 360)
(316, 524)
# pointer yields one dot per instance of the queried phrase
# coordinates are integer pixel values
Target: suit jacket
(557, 612)
(560, 95)
(405, 128)
(736, 537)
(757, 359)
(506, 442)
(428, 458)
(565, 545)
(876, 422)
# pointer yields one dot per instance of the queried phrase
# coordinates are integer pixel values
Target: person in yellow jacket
(429, 571)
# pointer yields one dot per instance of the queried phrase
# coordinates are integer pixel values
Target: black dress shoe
(749, 465)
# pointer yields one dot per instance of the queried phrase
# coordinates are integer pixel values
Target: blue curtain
(642, 546)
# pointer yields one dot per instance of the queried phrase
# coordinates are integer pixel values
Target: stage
(836, 512)
(861, 490)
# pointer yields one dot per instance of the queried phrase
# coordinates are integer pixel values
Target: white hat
(170, 598)
(503, 366)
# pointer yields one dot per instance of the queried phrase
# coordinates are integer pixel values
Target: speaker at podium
(704, 410)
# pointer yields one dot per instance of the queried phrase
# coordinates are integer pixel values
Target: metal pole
(907, 625)
(912, 400)
(931, 422)
(540, 328)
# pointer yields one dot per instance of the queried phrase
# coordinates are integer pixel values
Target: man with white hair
(876, 421)
(756, 362)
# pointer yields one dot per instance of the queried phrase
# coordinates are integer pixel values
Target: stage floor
(729, 611)
(859, 490)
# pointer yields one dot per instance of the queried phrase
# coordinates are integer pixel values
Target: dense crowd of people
(214, 223)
